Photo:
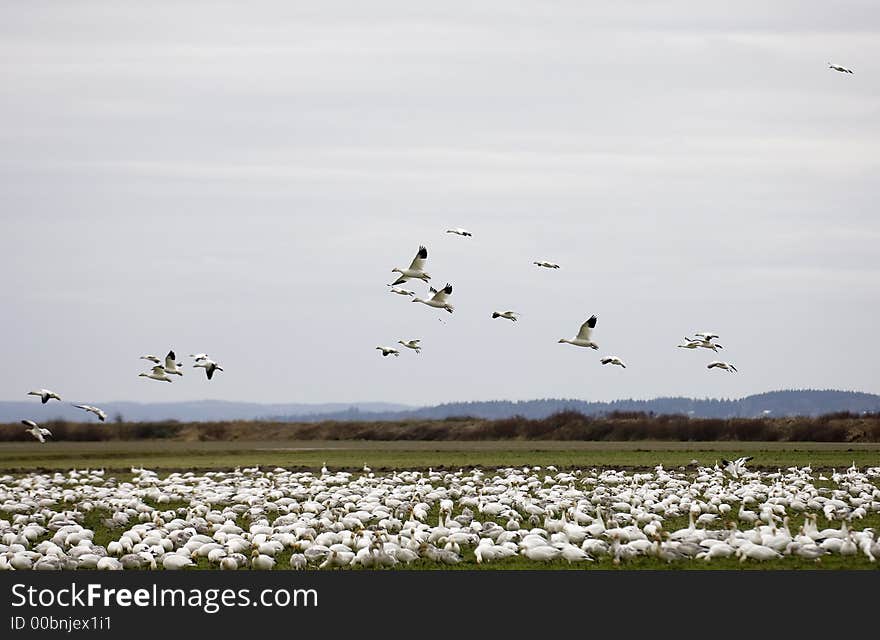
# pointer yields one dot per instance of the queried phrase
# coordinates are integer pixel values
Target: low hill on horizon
(807, 402)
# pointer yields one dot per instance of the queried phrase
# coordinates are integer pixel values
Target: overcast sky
(240, 178)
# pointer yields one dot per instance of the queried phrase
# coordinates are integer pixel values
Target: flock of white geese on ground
(255, 519)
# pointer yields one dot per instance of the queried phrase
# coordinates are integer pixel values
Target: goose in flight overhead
(717, 364)
(387, 351)
(839, 68)
(702, 342)
(156, 373)
(36, 430)
(507, 315)
(151, 358)
(412, 344)
(547, 265)
(198, 356)
(613, 360)
(438, 301)
(209, 366)
(735, 467)
(171, 365)
(98, 412)
(45, 395)
(402, 292)
(707, 335)
(583, 338)
(459, 232)
(416, 268)
(689, 344)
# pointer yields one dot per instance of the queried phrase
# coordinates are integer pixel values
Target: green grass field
(177, 455)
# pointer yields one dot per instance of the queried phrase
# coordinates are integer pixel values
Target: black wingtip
(592, 322)
(423, 252)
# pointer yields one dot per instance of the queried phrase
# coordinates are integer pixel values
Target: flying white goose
(507, 315)
(717, 364)
(402, 292)
(583, 337)
(45, 395)
(87, 407)
(706, 344)
(613, 360)
(459, 231)
(416, 268)
(198, 356)
(689, 344)
(547, 265)
(36, 430)
(438, 301)
(151, 358)
(171, 365)
(839, 68)
(412, 344)
(735, 467)
(387, 351)
(707, 335)
(157, 373)
(209, 366)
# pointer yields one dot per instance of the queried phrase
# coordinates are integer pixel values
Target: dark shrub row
(566, 425)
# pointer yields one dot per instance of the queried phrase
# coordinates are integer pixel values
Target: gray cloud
(241, 180)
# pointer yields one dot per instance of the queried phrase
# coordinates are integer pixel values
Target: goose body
(613, 360)
(439, 299)
(507, 315)
(156, 373)
(459, 232)
(718, 364)
(401, 292)
(735, 467)
(839, 68)
(45, 395)
(546, 265)
(584, 336)
(415, 270)
(171, 364)
(209, 366)
(388, 351)
(412, 344)
(98, 412)
(36, 430)
(151, 358)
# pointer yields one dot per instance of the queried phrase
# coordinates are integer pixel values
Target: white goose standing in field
(209, 366)
(613, 360)
(459, 232)
(171, 364)
(98, 412)
(583, 338)
(546, 265)
(718, 364)
(839, 68)
(438, 301)
(388, 351)
(412, 344)
(416, 268)
(507, 315)
(45, 395)
(156, 373)
(36, 430)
